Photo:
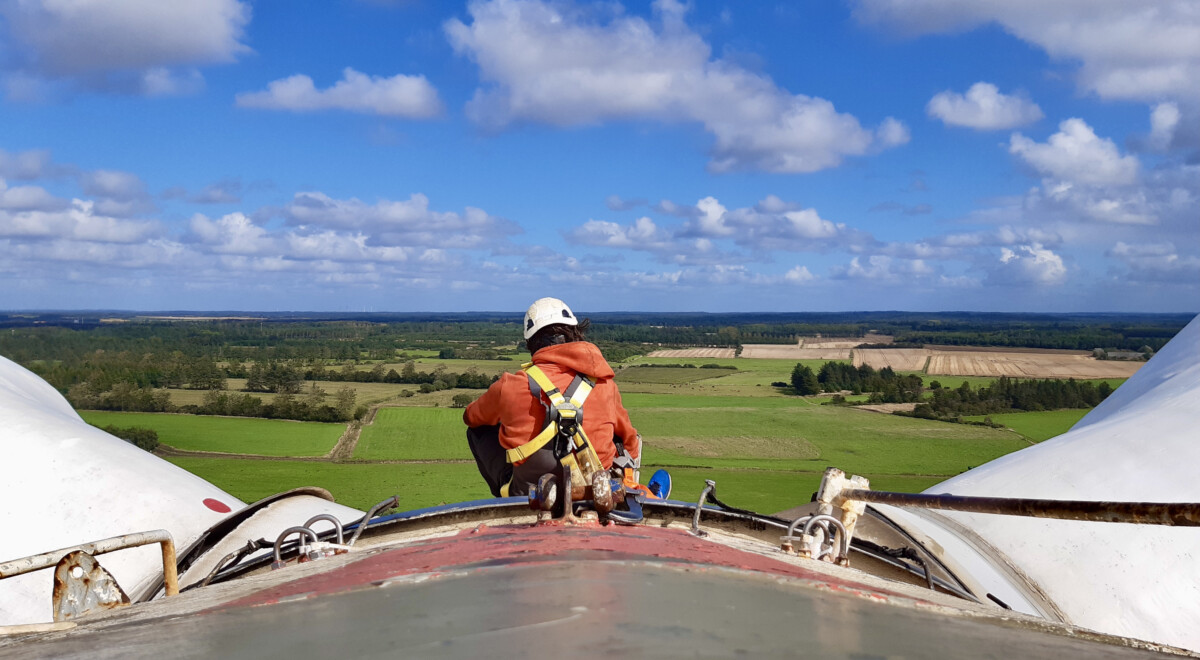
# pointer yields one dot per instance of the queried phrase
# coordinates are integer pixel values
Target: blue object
(660, 484)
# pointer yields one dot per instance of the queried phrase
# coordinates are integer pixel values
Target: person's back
(556, 339)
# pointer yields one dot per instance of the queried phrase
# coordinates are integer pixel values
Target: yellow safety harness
(564, 427)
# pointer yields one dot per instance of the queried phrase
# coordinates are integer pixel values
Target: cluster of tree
(472, 353)
(440, 378)
(103, 369)
(312, 406)
(135, 435)
(885, 385)
(273, 376)
(1007, 394)
(120, 396)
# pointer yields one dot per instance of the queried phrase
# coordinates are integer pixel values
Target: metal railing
(50, 559)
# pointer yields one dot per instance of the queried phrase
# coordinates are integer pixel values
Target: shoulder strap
(577, 394)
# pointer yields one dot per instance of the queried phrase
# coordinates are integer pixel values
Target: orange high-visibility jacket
(509, 403)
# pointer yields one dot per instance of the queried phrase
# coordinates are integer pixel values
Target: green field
(358, 485)
(1037, 426)
(766, 450)
(668, 375)
(414, 434)
(238, 435)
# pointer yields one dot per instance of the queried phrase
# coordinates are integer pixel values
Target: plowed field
(793, 352)
(899, 359)
(1027, 365)
(694, 353)
(843, 342)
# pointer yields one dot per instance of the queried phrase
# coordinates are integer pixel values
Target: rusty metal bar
(1177, 514)
(49, 559)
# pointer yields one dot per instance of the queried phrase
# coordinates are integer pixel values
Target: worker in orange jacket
(555, 338)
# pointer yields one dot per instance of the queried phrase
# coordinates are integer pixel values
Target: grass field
(414, 434)
(1037, 426)
(766, 450)
(669, 375)
(359, 485)
(239, 435)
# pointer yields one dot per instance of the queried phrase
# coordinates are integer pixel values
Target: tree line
(1006, 394)
(884, 385)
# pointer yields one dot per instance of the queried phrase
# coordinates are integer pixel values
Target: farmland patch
(237, 435)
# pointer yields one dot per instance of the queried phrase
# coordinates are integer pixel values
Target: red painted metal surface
(217, 505)
(519, 544)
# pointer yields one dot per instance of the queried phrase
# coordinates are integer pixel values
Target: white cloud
(1144, 50)
(411, 97)
(799, 275)
(28, 198)
(567, 65)
(407, 222)
(1164, 119)
(1076, 155)
(1028, 264)
(27, 165)
(80, 222)
(983, 108)
(231, 234)
(643, 234)
(1156, 262)
(709, 220)
(772, 225)
(112, 184)
(86, 40)
(882, 269)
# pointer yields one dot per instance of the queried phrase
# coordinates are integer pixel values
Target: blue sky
(713, 156)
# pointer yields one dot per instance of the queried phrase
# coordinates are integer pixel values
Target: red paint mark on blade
(492, 546)
(217, 505)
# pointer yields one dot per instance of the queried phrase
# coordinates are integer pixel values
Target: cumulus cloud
(28, 165)
(411, 97)
(882, 269)
(1028, 264)
(404, 223)
(1164, 120)
(983, 108)
(138, 45)
(799, 275)
(80, 221)
(567, 65)
(1144, 50)
(1075, 154)
(1156, 262)
(113, 184)
(28, 198)
(643, 234)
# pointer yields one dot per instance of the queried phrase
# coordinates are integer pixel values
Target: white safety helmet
(547, 311)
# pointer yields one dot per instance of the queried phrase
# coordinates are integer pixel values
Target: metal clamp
(785, 542)
(832, 531)
(301, 550)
